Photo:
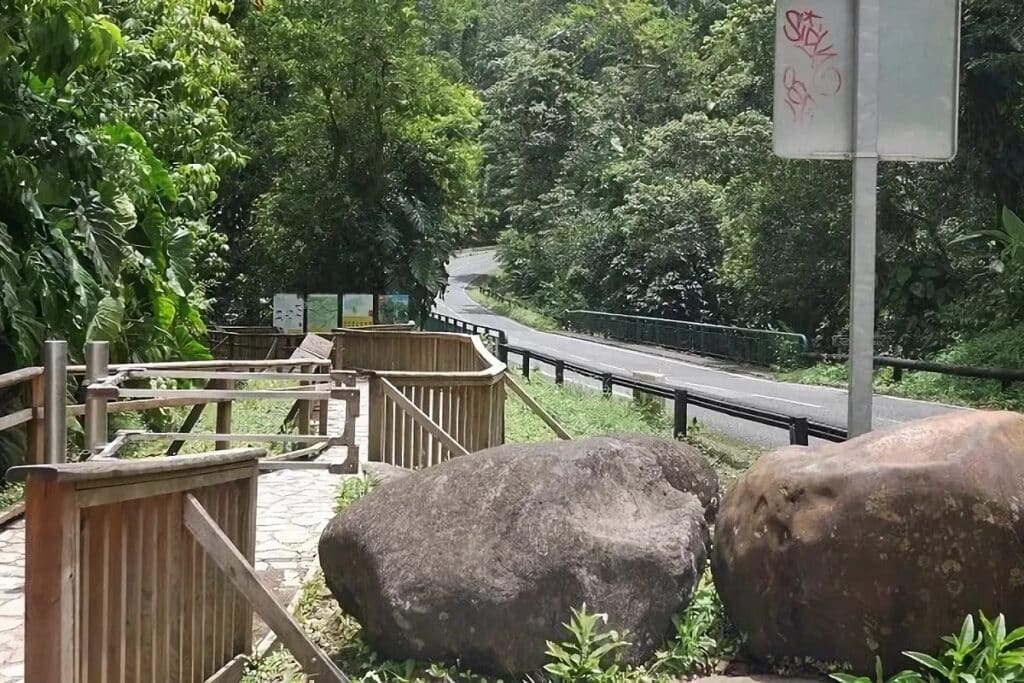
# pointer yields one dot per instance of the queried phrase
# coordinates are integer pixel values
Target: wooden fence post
(36, 428)
(224, 409)
(526, 364)
(305, 407)
(559, 372)
(51, 579)
(606, 384)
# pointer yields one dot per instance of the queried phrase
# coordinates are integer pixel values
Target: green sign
(321, 312)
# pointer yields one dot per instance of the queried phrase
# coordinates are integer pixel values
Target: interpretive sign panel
(288, 313)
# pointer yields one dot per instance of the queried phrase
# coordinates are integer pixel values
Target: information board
(321, 312)
(918, 79)
(288, 313)
(393, 309)
(356, 310)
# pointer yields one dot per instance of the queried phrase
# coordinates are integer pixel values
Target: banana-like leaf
(108, 323)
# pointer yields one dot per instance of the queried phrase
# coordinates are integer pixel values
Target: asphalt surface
(693, 373)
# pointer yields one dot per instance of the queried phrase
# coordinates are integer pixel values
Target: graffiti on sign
(814, 74)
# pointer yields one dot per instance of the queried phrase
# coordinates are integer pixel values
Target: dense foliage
(113, 139)
(364, 150)
(628, 167)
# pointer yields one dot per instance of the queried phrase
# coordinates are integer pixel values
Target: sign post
(865, 213)
(869, 80)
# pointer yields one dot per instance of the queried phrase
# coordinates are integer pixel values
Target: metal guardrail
(764, 347)
(800, 428)
(494, 338)
(1005, 376)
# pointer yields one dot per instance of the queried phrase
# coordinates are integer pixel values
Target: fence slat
(418, 416)
(233, 564)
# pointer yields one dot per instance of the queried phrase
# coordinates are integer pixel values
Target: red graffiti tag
(806, 30)
(798, 98)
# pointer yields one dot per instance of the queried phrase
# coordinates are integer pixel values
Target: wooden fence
(433, 395)
(116, 589)
(27, 382)
(266, 343)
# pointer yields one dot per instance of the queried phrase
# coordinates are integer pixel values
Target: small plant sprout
(591, 655)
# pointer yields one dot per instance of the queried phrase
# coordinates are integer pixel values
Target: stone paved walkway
(292, 509)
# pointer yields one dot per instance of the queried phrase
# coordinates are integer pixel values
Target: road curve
(699, 375)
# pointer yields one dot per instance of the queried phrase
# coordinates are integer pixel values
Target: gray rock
(877, 545)
(481, 558)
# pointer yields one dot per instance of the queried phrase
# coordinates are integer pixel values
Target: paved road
(699, 375)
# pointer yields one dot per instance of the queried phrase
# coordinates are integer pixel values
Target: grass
(925, 386)
(587, 412)
(996, 349)
(247, 417)
(512, 308)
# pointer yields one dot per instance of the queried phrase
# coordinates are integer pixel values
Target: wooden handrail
(19, 376)
(95, 470)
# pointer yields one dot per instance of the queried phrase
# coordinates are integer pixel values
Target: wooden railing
(29, 383)
(116, 588)
(433, 395)
(265, 343)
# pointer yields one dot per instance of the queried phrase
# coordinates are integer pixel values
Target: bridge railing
(433, 395)
(763, 347)
(492, 338)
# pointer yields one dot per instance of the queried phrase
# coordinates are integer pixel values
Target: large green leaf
(108, 322)
(156, 177)
(179, 253)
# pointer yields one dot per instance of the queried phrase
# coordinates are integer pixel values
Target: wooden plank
(537, 409)
(227, 557)
(12, 512)
(410, 409)
(230, 672)
(8, 379)
(248, 551)
(18, 417)
(162, 486)
(134, 539)
(226, 436)
(314, 346)
(174, 579)
(35, 432)
(225, 394)
(97, 471)
(115, 598)
(227, 374)
(377, 419)
(147, 593)
(208, 365)
(51, 579)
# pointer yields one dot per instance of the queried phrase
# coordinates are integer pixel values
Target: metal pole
(97, 361)
(862, 245)
(55, 401)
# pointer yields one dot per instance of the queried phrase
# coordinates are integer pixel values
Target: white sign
(918, 80)
(288, 313)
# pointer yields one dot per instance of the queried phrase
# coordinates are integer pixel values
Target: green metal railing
(764, 347)
(492, 338)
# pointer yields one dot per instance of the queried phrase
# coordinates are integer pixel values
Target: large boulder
(877, 545)
(483, 557)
